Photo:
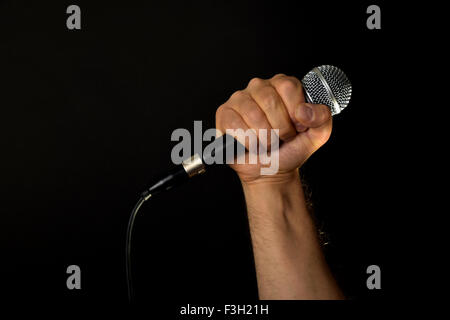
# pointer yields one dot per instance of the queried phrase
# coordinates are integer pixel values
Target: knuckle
(267, 97)
(237, 94)
(254, 82)
(227, 118)
(220, 114)
(278, 77)
(287, 84)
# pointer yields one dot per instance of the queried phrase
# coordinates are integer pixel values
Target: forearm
(288, 258)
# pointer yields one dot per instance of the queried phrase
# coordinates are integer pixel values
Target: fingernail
(308, 112)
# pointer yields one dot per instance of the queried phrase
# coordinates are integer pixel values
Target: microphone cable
(189, 168)
(128, 247)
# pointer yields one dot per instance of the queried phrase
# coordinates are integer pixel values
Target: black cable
(128, 246)
(172, 178)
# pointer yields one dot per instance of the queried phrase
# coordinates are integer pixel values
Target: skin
(288, 258)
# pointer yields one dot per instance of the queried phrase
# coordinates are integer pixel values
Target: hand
(277, 103)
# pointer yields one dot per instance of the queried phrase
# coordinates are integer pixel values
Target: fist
(276, 103)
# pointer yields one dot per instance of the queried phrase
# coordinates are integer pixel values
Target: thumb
(317, 123)
(308, 115)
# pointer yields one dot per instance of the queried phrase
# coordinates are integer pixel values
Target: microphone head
(328, 85)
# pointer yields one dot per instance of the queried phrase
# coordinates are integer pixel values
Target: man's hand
(288, 260)
(277, 103)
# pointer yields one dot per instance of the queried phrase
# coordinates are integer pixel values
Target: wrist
(277, 201)
(279, 181)
(278, 216)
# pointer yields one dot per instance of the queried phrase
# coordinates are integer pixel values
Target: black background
(86, 120)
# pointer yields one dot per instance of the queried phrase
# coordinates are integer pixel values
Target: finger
(273, 107)
(251, 113)
(312, 115)
(290, 90)
(230, 122)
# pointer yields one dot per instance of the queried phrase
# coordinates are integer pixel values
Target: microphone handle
(214, 153)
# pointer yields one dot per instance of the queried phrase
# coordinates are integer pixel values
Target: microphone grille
(328, 85)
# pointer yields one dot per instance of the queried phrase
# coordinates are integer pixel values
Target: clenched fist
(276, 103)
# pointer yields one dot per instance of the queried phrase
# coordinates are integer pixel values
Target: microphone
(326, 85)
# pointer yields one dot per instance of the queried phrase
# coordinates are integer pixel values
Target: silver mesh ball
(328, 85)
